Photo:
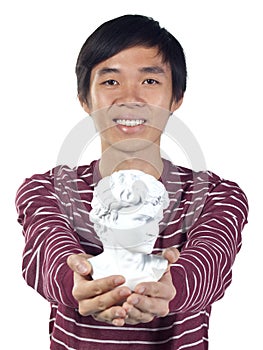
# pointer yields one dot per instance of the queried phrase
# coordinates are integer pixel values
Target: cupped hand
(101, 298)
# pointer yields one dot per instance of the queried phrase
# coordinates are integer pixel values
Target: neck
(148, 161)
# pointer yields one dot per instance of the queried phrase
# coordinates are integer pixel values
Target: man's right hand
(98, 298)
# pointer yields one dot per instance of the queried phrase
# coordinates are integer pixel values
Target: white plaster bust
(126, 210)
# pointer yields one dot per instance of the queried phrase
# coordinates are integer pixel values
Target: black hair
(124, 32)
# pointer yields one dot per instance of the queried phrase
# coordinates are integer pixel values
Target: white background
(40, 41)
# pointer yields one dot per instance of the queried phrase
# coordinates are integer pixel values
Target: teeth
(128, 122)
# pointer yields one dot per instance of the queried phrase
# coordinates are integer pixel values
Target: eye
(150, 82)
(110, 82)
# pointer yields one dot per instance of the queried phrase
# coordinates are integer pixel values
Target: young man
(131, 77)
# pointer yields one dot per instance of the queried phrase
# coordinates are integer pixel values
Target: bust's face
(126, 210)
(140, 239)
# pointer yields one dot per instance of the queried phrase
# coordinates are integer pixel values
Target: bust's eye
(110, 82)
(150, 82)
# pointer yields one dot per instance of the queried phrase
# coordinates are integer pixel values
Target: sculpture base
(134, 267)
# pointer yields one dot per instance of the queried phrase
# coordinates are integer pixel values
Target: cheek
(94, 99)
(160, 99)
(160, 117)
(101, 97)
(102, 123)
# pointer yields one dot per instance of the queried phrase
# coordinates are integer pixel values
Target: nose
(130, 96)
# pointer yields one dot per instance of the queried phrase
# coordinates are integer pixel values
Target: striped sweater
(204, 221)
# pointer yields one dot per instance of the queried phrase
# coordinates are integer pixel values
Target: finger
(144, 306)
(115, 315)
(79, 263)
(135, 316)
(171, 254)
(84, 289)
(104, 301)
(163, 289)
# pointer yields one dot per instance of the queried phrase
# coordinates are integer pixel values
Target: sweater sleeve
(49, 240)
(203, 271)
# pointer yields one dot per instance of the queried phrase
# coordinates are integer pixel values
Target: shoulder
(207, 185)
(61, 171)
(174, 173)
(186, 179)
(58, 176)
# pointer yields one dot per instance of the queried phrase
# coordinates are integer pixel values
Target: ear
(176, 104)
(84, 105)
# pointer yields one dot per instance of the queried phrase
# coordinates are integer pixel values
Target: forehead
(135, 57)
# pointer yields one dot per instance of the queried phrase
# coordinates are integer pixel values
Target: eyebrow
(107, 70)
(150, 69)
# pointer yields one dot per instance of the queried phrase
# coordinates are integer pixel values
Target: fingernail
(118, 322)
(120, 314)
(140, 290)
(118, 281)
(135, 301)
(124, 293)
(82, 268)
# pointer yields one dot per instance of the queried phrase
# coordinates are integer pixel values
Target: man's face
(130, 98)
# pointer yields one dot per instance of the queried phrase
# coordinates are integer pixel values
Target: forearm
(49, 240)
(44, 261)
(200, 278)
(204, 269)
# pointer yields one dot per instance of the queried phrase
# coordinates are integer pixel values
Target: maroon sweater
(204, 221)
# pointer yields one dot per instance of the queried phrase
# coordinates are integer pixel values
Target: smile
(130, 122)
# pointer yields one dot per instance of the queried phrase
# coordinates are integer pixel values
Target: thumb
(79, 263)
(171, 254)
